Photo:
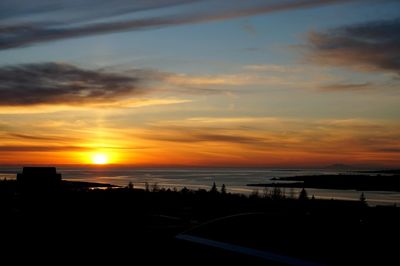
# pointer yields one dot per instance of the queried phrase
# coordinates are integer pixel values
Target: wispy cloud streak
(346, 87)
(50, 22)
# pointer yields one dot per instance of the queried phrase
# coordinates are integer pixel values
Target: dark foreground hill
(120, 225)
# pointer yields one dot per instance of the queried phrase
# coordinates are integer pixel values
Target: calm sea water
(235, 179)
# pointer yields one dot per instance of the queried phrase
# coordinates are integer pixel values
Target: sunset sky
(277, 83)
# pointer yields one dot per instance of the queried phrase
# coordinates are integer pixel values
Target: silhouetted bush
(223, 189)
(185, 190)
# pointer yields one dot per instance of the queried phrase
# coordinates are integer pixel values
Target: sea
(235, 180)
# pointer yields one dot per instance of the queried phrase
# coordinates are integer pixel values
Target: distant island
(384, 171)
(378, 182)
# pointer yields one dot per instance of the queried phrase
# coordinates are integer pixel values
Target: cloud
(273, 68)
(41, 137)
(279, 135)
(346, 87)
(23, 148)
(120, 104)
(88, 9)
(228, 133)
(30, 22)
(142, 102)
(236, 79)
(185, 80)
(58, 86)
(185, 135)
(57, 83)
(216, 123)
(389, 150)
(54, 87)
(372, 46)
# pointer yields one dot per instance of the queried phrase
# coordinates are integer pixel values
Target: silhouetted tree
(214, 189)
(276, 194)
(291, 193)
(303, 195)
(223, 189)
(131, 186)
(254, 194)
(363, 199)
(146, 187)
(266, 193)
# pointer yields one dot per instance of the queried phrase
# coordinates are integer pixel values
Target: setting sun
(100, 158)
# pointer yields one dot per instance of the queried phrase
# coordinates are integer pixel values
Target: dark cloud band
(373, 46)
(56, 83)
(55, 22)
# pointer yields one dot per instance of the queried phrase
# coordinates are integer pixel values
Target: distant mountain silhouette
(339, 166)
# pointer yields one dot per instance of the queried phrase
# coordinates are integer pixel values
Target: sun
(100, 158)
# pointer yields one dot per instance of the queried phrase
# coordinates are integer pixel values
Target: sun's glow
(100, 158)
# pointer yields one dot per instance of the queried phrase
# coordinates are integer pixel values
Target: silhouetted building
(39, 177)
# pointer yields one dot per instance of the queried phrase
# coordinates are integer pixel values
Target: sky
(286, 83)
